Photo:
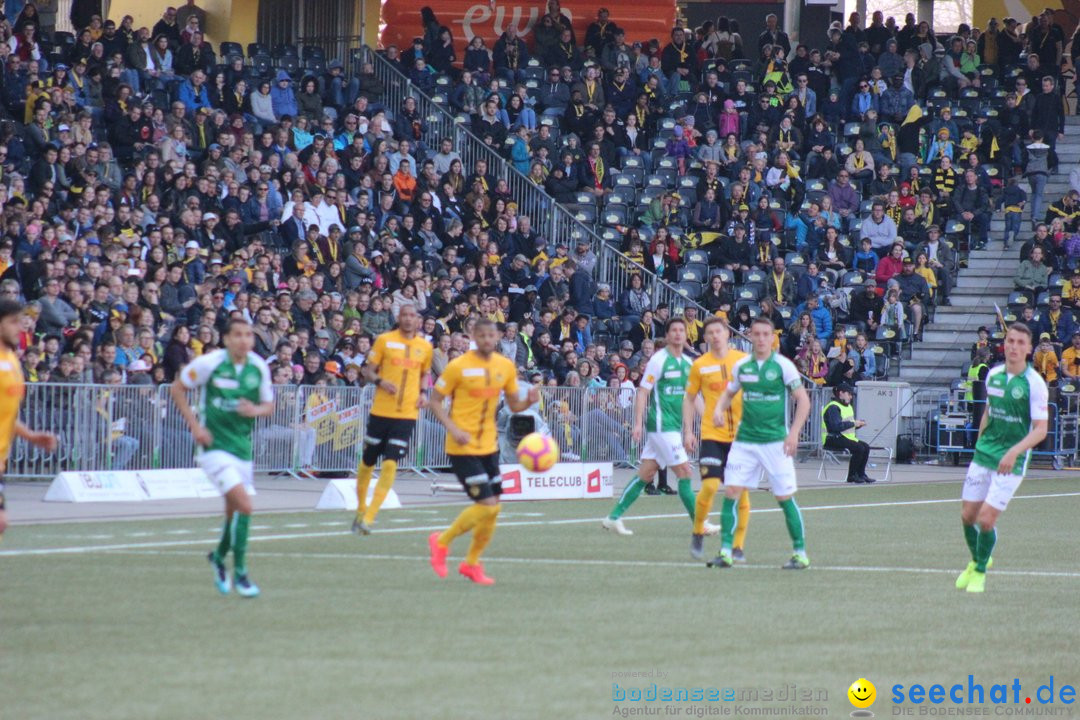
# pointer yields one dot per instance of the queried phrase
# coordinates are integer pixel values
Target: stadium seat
(312, 52)
(852, 278)
(698, 272)
(256, 48)
(285, 50)
(689, 289)
(231, 48)
(696, 256)
(754, 275)
(586, 214)
(288, 63)
(622, 195)
(881, 362)
(750, 291)
(63, 40)
(261, 65)
(727, 276)
(315, 66)
(611, 236)
(615, 215)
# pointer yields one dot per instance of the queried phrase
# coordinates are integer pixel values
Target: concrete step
(939, 336)
(981, 265)
(955, 314)
(926, 376)
(967, 300)
(985, 280)
(950, 363)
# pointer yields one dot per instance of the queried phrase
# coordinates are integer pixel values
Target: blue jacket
(193, 100)
(822, 321)
(1065, 327)
(865, 261)
(283, 99)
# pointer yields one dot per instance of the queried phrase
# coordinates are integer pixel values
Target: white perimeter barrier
(131, 486)
(341, 495)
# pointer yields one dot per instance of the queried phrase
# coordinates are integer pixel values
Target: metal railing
(318, 429)
(313, 429)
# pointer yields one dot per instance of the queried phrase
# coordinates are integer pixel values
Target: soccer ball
(537, 452)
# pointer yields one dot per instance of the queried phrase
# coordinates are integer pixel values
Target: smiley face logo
(862, 693)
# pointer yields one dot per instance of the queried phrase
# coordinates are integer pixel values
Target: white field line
(616, 563)
(80, 549)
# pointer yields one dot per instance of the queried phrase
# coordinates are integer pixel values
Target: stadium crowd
(153, 187)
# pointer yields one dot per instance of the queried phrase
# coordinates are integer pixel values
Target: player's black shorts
(713, 458)
(478, 474)
(388, 437)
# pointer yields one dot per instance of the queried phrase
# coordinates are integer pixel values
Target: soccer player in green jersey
(658, 420)
(235, 389)
(764, 441)
(1014, 423)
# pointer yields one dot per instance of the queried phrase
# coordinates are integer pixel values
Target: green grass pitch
(352, 627)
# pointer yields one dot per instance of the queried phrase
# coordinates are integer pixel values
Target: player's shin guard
(482, 533)
(386, 481)
(686, 494)
(703, 504)
(727, 522)
(629, 494)
(971, 535)
(240, 525)
(225, 544)
(465, 522)
(984, 548)
(793, 517)
(363, 480)
(744, 519)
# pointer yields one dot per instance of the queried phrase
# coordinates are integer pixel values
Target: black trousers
(859, 450)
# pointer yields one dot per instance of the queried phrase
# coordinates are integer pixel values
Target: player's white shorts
(989, 486)
(226, 471)
(746, 461)
(665, 448)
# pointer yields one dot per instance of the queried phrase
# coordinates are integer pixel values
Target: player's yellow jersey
(12, 389)
(404, 363)
(473, 385)
(710, 377)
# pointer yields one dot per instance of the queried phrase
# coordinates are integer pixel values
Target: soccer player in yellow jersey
(399, 364)
(473, 382)
(12, 390)
(709, 376)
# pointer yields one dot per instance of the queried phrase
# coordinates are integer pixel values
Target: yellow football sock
(482, 534)
(743, 519)
(465, 522)
(709, 487)
(363, 480)
(386, 481)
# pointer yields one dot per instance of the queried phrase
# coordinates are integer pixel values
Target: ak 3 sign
(564, 481)
(641, 19)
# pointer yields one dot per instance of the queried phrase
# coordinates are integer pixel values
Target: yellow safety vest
(847, 414)
(972, 378)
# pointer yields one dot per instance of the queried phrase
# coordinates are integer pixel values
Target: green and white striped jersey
(665, 377)
(1013, 402)
(223, 384)
(765, 386)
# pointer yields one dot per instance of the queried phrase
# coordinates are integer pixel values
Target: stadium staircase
(987, 279)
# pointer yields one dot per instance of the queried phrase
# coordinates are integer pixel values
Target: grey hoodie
(1038, 155)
